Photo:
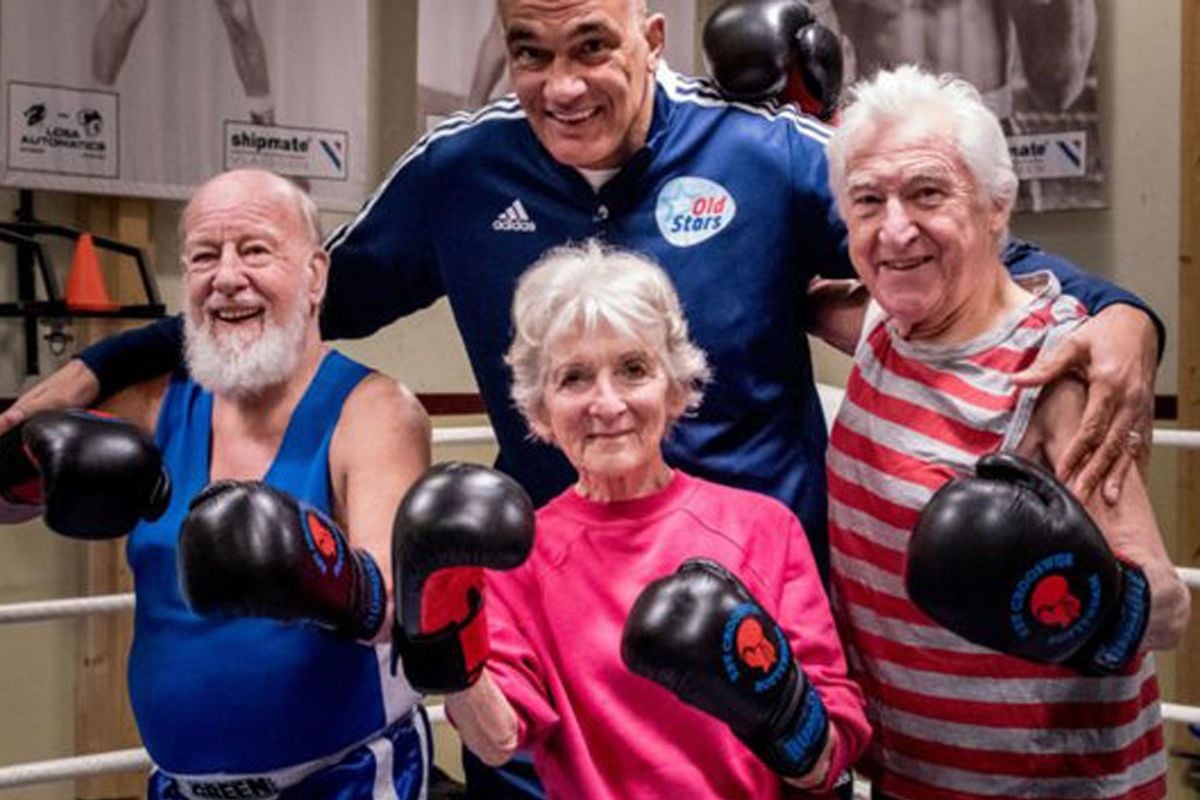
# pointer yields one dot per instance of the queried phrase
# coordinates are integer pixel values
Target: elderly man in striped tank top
(922, 176)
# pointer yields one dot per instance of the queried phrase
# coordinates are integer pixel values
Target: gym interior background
(45, 701)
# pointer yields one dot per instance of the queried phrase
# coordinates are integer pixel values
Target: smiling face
(249, 258)
(253, 279)
(583, 71)
(923, 238)
(607, 403)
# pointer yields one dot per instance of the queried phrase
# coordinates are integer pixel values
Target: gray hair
(897, 94)
(575, 288)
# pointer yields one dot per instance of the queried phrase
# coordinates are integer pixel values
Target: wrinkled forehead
(574, 335)
(898, 132)
(904, 146)
(243, 201)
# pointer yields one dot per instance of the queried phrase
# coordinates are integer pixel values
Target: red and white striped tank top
(951, 719)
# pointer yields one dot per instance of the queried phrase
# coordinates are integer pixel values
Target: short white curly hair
(582, 287)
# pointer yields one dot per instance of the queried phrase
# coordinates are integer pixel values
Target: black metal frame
(33, 261)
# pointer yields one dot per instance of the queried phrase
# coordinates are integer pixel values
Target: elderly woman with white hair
(998, 629)
(681, 579)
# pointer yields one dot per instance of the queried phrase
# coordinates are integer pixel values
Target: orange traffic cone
(85, 283)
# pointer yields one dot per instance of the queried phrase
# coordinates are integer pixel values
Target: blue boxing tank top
(247, 695)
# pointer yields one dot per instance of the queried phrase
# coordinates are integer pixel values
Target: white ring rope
(1171, 437)
(43, 610)
(62, 769)
(132, 760)
(1190, 576)
(1187, 715)
(38, 611)
(481, 434)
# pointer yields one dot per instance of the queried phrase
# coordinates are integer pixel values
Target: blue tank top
(246, 695)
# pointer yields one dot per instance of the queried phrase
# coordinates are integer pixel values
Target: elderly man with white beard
(263, 582)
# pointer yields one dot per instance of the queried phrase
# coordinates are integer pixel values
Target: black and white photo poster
(1034, 61)
(151, 97)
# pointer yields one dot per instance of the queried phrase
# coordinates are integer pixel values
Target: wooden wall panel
(103, 717)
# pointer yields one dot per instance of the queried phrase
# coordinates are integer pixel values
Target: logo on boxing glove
(322, 544)
(1055, 602)
(752, 649)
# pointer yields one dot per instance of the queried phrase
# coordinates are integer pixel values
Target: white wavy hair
(580, 288)
(897, 94)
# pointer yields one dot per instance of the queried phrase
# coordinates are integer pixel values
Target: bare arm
(1116, 352)
(380, 447)
(1056, 39)
(837, 310)
(139, 403)
(72, 385)
(485, 720)
(1129, 526)
(819, 774)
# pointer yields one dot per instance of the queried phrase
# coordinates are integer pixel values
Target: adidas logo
(514, 218)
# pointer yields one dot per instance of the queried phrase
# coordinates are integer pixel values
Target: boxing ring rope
(42, 610)
(131, 760)
(61, 769)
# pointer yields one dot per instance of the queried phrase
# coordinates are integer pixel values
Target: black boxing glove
(1010, 560)
(455, 520)
(760, 49)
(95, 475)
(815, 77)
(701, 635)
(247, 549)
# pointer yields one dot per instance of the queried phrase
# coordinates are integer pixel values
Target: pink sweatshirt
(599, 731)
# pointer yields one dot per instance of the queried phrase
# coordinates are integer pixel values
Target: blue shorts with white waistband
(393, 766)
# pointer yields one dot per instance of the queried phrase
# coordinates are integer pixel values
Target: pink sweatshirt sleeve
(514, 663)
(805, 615)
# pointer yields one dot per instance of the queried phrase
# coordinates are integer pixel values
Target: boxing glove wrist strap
(371, 602)
(447, 661)
(1117, 647)
(797, 748)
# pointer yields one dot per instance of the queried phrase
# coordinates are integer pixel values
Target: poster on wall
(460, 53)
(1034, 63)
(149, 98)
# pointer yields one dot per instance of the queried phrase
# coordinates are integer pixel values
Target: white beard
(243, 364)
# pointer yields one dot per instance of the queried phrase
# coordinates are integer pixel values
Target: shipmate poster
(149, 98)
